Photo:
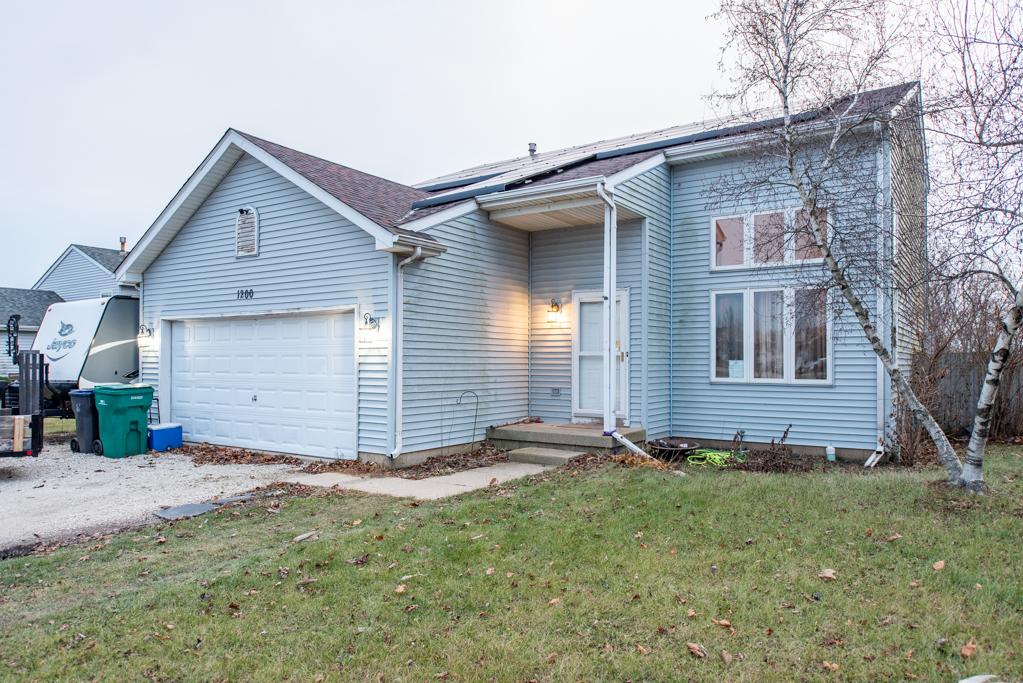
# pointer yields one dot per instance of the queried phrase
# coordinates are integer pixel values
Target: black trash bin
(86, 420)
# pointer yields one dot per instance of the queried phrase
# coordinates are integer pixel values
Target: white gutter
(610, 305)
(397, 344)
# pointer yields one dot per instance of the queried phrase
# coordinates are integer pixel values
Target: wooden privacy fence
(957, 386)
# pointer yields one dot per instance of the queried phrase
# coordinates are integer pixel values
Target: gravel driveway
(61, 494)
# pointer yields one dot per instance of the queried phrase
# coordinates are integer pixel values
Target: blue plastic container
(164, 436)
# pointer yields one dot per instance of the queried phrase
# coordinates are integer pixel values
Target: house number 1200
(246, 293)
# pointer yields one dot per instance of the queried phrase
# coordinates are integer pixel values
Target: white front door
(272, 383)
(588, 356)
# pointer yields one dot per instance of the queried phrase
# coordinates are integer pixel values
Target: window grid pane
(729, 249)
(769, 237)
(769, 335)
(811, 335)
(728, 335)
(806, 247)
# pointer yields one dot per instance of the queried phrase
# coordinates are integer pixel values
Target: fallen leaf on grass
(400, 588)
(490, 571)
(827, 574)
(914, 584)
(358, 561)
(554, 601)
(969, 649)
(830, 666)
(642, 650)
(939, 565)
(492, 482)
(726, 656)
(304, 537)
(697, 650)
(894, 537)
(552, 657)
(691, 614)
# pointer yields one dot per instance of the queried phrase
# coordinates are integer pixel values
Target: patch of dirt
(208, 454)
(346, 466)
(484, 456)
(778, 460)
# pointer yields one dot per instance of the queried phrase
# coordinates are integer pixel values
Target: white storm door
(588, 356)
(272, 383)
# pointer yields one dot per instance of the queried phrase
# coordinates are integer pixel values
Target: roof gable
(107, 258)
(336, 186)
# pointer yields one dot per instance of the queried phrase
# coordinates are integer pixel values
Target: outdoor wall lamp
(370, 323)
(554, 311)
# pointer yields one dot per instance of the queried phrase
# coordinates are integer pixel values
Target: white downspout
(397, 342)
(610, 276)
(610, 310)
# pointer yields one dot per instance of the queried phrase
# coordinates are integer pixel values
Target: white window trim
(255, 236)
(789, 348)
(748, 234)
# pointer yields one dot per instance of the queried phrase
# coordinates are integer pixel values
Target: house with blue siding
(585, 298)
(83, 272)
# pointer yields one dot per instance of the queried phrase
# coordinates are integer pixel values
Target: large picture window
(771, 336)
(765, 238)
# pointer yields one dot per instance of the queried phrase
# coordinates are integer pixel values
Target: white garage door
(283, 384)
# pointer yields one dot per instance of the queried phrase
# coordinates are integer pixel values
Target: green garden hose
(707, 456)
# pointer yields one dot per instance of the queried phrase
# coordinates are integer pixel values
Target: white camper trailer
(90, 342)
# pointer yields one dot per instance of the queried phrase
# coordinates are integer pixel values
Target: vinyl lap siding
(843, 414)
(465, 326)
(650, 195)
(77, 277)
(563, 261)
(908, 197)
(25, 340)
(309, 257)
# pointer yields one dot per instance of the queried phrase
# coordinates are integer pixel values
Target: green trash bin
(123, 411)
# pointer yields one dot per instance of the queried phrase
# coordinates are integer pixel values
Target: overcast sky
(108, 107)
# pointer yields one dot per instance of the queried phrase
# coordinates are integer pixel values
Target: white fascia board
(451, 213)
(631, 172)
(549, 191)
(379, 233)
(231, 139)
(554, 205)
(171, 209)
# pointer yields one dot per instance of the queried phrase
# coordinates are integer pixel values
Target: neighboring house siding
(563, 261)
(465, 327)
(843, 414)
(77, 277)
(908, 198)
(309, 257)
(650, 195)
(25, 340)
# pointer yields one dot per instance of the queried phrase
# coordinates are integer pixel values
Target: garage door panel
(300, 369)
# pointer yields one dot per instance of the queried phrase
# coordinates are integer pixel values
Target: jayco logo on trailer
(59, 345)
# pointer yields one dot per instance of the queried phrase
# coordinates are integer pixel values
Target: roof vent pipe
(124, 244)
(532, 149)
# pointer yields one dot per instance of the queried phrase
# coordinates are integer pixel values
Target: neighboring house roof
(108, 258)
(503, 175)
(30, 304)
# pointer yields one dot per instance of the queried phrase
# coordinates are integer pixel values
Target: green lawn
(606, 575)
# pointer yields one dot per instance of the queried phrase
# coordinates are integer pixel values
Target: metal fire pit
(671, 449)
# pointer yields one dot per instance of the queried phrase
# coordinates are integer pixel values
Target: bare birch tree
(819, 64)
(977, 125)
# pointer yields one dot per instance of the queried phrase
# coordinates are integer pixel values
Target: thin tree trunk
(972, 476)
(946, 453)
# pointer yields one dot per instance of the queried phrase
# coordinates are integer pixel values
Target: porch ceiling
(544, 214)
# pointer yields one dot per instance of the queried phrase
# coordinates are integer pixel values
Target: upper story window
(246, 232)
(767, 238)
(780, 336)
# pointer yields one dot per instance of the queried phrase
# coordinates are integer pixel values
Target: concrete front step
(563, 437)
(543, 456)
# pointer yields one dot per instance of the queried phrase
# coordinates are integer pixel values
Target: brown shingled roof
(382, 201)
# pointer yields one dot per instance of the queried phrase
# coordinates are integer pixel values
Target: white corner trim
(636, 170)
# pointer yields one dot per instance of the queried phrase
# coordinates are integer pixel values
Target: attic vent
(246, 232)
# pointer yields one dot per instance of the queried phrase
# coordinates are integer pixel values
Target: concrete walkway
(422, 489)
